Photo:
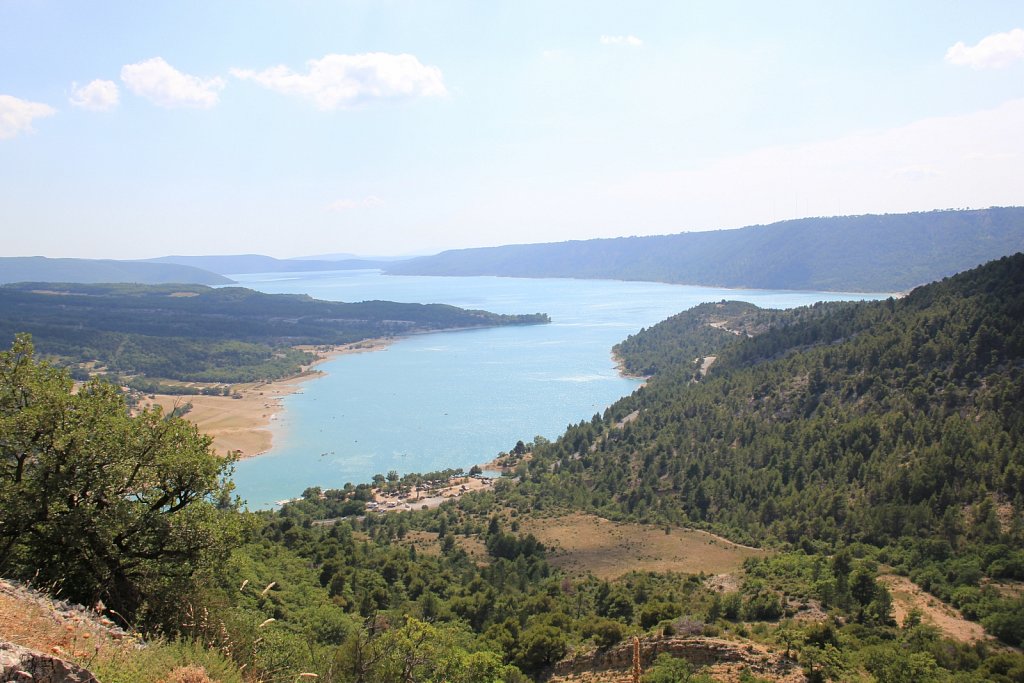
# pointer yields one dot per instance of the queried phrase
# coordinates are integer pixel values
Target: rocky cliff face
(24, 665)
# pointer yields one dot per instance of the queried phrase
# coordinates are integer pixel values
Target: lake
(455, 399)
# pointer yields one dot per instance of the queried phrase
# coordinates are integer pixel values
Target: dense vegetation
(98, 505)
(887, 253)
(853, 439)
(683, 340)
(42, 269)
(894, 424)
(196, 333)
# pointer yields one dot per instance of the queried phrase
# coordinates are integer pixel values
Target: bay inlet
(455, 399)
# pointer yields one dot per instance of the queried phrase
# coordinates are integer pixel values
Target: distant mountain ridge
(892, 252)
(231, 264)
(91, 271)
(359, 258)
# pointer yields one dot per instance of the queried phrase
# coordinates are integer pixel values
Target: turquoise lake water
(455, 399)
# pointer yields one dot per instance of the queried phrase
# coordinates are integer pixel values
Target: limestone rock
(21, 665)
(723, 659)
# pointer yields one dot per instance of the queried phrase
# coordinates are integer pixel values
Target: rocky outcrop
(719, 655)
(60, 611)
(28, 666)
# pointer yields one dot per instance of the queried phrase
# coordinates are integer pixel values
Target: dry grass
(1008, 588)
(474, 547)
(426, 543)
(583, 543)
(32, 625)
(32, 621)
(188, 674)
(907, 595)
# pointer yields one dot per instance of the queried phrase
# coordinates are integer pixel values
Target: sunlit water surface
(455, 399)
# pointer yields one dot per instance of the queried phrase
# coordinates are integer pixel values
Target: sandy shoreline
(243, 424)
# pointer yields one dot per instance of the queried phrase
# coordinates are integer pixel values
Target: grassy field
(426, 543)
(579, 543)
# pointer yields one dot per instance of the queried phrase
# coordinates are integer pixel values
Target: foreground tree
(98, 505)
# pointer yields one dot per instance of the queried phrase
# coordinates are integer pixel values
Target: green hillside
(684, 340)
(861, 445)
(42, 269)
(887, 253)
(197, 333)
(898, 424)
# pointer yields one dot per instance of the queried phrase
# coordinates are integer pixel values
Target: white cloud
(953, 161)
(340, 81)
(629, 41)
(98, 95)
(992, 52)
(16, 115)
(162, 84)
(370, 202)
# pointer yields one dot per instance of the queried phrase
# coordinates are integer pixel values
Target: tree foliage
(197, 333)
(898, 424)
(848, 436)
(97, 504)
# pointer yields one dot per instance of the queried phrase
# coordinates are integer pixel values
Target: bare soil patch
(907, 595)
(426, 543)
(581, 543)
(1008, 589)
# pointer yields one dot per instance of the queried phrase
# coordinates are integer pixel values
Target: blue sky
(296, 127)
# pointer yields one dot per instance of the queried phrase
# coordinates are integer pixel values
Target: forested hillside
(864, 445)
(887, 253)
(896, 424)
(855, 439)
(42, 269)
(196, 333)
(684, 340)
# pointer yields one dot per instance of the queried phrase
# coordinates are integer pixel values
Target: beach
(244, 424)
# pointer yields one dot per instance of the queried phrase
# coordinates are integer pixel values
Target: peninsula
(223, 356)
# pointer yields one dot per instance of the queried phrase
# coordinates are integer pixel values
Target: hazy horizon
(133, 131)
(335, 256)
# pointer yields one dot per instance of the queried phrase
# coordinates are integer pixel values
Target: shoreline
(620, 367)
(243, 425)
